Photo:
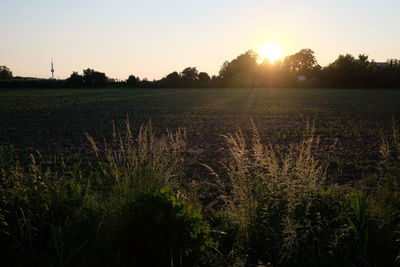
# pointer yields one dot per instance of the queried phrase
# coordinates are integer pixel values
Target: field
(219, 177)
(349, 122)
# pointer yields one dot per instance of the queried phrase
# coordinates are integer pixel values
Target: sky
(151, 38)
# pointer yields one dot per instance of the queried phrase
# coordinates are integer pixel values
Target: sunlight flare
(271, 51)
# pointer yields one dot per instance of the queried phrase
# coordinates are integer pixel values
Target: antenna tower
(52, 69)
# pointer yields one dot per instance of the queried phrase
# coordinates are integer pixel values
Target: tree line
(245, 71)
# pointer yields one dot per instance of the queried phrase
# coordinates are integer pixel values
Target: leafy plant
(157, 229)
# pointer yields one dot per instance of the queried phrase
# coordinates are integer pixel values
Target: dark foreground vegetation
(281, 177)
(298, 70)
(133, 204)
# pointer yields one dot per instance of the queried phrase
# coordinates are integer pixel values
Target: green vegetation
(229, 177)
(114, 209)
(282, 212)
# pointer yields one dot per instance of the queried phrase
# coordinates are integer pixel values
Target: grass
(52, 121)
(304, 177)
(280, 210)
(137, 165)
(112, 209)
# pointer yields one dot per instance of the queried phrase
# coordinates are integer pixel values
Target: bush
(156, 229)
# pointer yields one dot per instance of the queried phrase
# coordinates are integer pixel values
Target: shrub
(155, 229)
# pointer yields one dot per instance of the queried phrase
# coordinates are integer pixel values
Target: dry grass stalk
(141, 163)
(260, 176)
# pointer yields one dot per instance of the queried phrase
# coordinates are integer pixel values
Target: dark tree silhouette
(75, 79)
(5, 73)
(94, 78)
(244, 71)
(240, 72)
(391, 73)
(224, 70)
(133, 81)
(173, 79)
(190, 75)
(204, 79)
(348, 71)
(302, 63)
(90, 78)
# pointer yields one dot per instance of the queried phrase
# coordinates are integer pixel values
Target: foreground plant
(280, 211)
(155, 229)
(48, 219)
(140, 164)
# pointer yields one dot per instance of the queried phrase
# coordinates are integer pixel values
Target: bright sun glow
(271, 51)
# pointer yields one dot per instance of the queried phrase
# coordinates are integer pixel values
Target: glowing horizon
(150, 39)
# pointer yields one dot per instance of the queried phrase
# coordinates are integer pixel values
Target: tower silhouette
(52, 69)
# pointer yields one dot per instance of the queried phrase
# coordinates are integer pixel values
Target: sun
(271, 51)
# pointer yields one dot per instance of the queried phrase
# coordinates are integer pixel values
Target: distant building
(301, 78)
(382, 64)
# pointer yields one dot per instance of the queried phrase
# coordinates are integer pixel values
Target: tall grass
(104, 209)
(140, 164)
(34, 202)
(273, 185)
(281, 211)
(124, 206)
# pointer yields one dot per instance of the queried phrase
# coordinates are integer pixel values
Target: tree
(5, 73)
(173, 78)
(133, 81)
(243, 71)
(224, 70)
(90, 78)
(348, 71)
(244, 66)
(392, 73)
(75, 79)
(302, 63)
(94, 78)
(189, 76)
(393, 63)
(340, 72)
(204, 79)
(170, 81)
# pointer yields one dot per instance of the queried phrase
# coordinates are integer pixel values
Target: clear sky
(151, 38)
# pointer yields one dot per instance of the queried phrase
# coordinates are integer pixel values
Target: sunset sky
(151, 38)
